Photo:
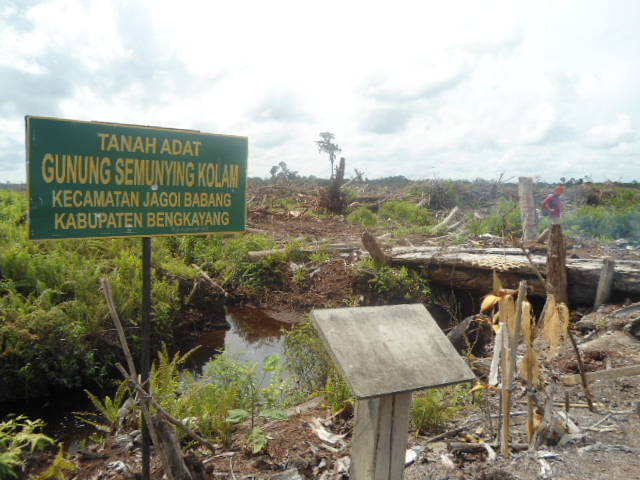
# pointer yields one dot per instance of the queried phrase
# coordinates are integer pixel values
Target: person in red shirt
(553, 204)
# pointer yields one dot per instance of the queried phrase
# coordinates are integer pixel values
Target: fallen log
(472, 269)
(447, 219)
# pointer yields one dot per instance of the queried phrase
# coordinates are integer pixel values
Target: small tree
(326, 145)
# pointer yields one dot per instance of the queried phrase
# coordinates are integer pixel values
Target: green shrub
(505, 219)
(363, 217)
(338, 394)
(306, 357)
(604, 222)
(406, 213)
(432, 409)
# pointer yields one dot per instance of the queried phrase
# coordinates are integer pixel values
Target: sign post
(101, 180)
(105, 180)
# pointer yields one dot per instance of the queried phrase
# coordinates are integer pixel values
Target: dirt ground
(313, 444)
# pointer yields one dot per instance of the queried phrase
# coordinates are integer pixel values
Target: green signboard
(102, 180)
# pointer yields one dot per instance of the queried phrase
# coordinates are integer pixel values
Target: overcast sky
(425, 89)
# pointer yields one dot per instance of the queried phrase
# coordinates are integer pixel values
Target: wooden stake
(585, 384)
(602, 375)
(509, 374)
(605, 282)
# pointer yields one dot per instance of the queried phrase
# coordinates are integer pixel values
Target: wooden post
(528, 209)
(380, 437)
(605, 282)
(557, 265)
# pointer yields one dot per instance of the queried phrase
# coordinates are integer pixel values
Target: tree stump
(332, 198)
(557, 265)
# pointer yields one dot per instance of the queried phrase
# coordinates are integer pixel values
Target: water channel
(252, 335)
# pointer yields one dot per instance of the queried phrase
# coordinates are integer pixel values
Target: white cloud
(609, 136)
(460, 89)
(538, 125)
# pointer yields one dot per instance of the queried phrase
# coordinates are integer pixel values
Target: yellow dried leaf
(478, 387)
(556, 322)
(529, 367)
(489, 301)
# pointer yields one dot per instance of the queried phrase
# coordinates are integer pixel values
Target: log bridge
(472, 269)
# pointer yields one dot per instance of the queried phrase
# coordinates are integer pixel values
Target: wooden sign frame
(384, 354)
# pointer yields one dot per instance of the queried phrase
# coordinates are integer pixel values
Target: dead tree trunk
(557, 265)
(374, 249)
(332, 198)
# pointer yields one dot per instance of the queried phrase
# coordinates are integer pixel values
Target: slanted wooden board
(390, 349)
(603, 375)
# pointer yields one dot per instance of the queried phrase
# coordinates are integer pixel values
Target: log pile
(472, 269)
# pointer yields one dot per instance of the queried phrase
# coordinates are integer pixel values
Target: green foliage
(326, 145)
(17, 436)
(404, 217)
(108, 409)
(229, 392)
(604, 222)
(306, 357)
(50, 301)
(232, 264)
(338, 394)
(405, 213)
(350, 194)
(322, 255)
(300, 279)
(502, 220)
(394, 284)
(363, 217)
(313, 369)
(257, 440)
(432, 409)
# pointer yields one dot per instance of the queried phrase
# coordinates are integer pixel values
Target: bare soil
(606, 444)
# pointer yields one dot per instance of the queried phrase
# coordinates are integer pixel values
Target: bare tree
(326, 145)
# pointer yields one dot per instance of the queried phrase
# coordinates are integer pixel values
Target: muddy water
(253, 335)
